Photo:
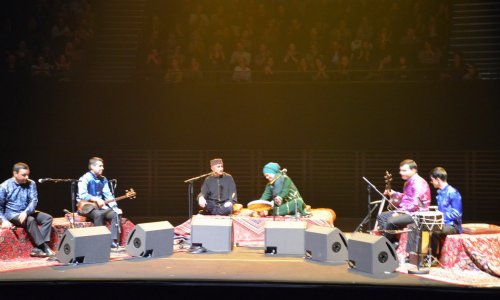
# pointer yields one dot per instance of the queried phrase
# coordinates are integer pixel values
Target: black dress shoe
(37, 252)
(48, 252)
(196, 249)
(114, 245)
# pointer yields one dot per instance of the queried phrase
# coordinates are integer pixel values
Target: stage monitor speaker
(213, 234)
(153, 239)
(85, 245)
(371, 254)
(284, 237)
(326, 244)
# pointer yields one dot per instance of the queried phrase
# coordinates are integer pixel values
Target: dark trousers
(213, 208)
(438, 236)
(386, 221)
(38, 235)
(100, 216)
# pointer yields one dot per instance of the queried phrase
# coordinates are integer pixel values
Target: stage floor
(247, 271)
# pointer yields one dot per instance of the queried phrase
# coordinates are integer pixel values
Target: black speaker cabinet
(326, 244)
(371, 254)
(284, 237)
(85, 245)
(151, 240)
(213, 234)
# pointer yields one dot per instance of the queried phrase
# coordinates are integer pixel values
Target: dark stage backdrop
(327, 135)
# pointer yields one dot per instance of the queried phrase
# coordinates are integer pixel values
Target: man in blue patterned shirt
(449, 202)
(18, 201)
(94, 187)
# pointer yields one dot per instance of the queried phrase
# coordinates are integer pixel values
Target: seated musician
(416, 196)
(94, 187)
(18, 201)
(449, 202)
(218, 192)
(282, 191)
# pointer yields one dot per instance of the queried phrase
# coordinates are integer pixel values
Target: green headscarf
(271, 168)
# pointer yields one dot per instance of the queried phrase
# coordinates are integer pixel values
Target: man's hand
(22, 217)
(6, 224)
(389, 193)
(202, 202)
(98, 201)
(118, 210)
(278, 200)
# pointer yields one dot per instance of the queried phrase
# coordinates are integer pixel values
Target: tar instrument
(429, 220)
(86, 207)
(260, 205)
(387, 180)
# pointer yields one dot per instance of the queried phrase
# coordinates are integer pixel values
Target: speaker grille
(67, 249)
(137, 242)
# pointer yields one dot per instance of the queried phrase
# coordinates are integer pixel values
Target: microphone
(66, 211)
(42, 180)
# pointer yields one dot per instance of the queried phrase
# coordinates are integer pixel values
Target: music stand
(367, 218)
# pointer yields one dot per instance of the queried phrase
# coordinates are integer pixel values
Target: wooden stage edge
(244, 273)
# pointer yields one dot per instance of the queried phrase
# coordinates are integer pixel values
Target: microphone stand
(73, 182)
(73, 201)
(112, 186)
(190, 182)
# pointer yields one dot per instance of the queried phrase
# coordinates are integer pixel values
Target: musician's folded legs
(389, 220)
(438, 237)
(111, 215)
(97, 217)
(384, 225)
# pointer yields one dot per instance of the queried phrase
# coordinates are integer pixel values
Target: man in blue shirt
(18, 200)
(449, 202)
(93, 187)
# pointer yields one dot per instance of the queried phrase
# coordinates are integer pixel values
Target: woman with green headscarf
(282, 191)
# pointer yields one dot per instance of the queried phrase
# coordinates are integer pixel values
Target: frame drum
(260, 205)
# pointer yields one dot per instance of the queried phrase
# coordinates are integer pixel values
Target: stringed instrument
(388, 188)
(387, 180)
(86, 207)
